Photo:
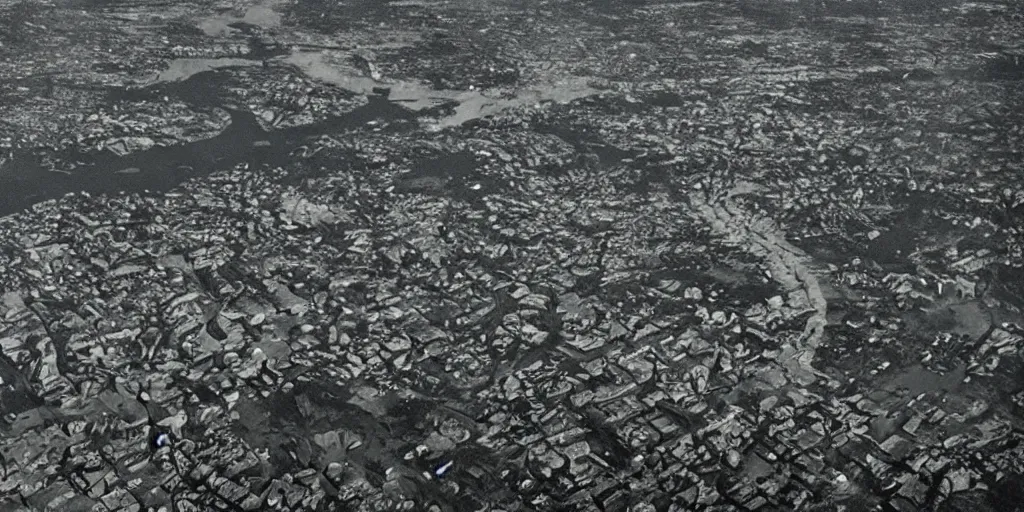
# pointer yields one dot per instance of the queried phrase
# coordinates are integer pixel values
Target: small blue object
(162, 440)
(442, 469)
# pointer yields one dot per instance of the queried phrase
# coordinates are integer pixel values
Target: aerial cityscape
(512, 255)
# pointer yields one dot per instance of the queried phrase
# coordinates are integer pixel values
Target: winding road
(790, 267)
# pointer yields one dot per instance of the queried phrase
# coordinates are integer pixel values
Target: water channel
(25, 181)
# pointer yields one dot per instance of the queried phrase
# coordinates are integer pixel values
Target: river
(24, 181)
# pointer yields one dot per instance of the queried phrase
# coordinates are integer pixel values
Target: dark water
(25, 181)
(917, 379)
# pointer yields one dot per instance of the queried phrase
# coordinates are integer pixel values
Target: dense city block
(509, 255)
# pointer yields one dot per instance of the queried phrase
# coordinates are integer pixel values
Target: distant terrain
(509, 255)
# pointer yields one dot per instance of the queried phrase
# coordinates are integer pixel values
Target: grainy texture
(508, 255)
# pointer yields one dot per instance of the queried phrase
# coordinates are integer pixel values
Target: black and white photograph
(512, 255)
